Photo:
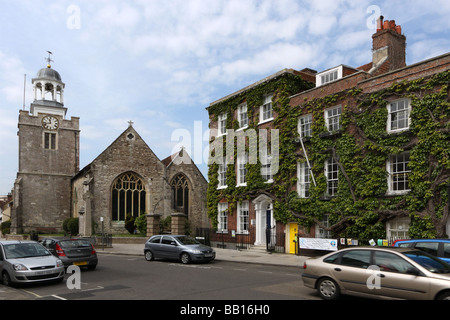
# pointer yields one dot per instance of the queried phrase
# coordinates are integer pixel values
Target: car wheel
(6, 279)
(92, 267)
(444, 296)
(149, 255)
(185, 258)
(328, 289)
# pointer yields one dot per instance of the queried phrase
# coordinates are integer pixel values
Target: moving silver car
(28, 261)
(383, 271)
(178, 247)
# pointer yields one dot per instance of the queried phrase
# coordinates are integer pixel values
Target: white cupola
(48, 91)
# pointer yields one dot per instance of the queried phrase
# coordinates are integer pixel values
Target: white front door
(264, 218)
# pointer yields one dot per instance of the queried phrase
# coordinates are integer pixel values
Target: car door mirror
(413, 271)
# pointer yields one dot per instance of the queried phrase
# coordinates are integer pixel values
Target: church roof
(49, 74)
(165, 162)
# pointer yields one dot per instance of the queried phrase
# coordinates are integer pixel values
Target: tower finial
(49, 59)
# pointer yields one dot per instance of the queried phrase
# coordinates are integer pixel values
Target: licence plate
(208, 255)
(40, 273)
(80, 263)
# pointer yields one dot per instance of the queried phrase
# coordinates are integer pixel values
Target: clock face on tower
(50, 123)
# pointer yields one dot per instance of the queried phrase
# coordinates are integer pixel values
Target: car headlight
(196, 251)
(19, 267)
(59, 263)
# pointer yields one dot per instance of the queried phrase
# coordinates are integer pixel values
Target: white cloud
(427, 48)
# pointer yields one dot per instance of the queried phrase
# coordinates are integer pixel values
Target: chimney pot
(392, 25)
(380, 23)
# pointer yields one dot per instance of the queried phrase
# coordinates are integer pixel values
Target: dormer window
(329, 76)
(334, 74)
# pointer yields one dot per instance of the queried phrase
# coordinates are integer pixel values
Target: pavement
(242, 256)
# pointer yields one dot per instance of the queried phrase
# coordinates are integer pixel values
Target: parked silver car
(383, 271)
(177, 247)
(28, 261)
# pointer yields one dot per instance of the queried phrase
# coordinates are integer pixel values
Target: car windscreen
(187, 240)
(429, 262)
(74, 243)
(25, 250)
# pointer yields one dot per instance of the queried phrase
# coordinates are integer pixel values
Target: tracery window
(180, 191)
(128, 197)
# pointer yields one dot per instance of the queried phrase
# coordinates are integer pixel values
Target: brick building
(363, 153)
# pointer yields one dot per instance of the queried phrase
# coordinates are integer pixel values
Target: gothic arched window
(180, 194)
(128, 197)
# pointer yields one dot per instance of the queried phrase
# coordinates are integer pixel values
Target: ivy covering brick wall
(361, 148)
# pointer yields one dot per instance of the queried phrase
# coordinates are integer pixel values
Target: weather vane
(49, 59)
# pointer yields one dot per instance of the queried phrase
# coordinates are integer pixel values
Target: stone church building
(129, 179)
(125, 179)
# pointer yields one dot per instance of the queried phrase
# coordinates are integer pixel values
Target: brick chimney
(389, 47)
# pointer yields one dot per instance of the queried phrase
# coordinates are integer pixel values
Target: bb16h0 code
(251, 309)
(229, 309)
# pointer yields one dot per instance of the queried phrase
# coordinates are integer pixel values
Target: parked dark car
(177, 247)
(79, 252)
(404, 273)
(437, 247)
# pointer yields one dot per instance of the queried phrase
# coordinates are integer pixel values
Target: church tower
(48, 158)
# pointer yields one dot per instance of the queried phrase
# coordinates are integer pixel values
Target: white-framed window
(266, 167)
(243, 217)
(266, 172)
(332, 118)
(305, 126)
(398, 115)
(303, 179)
(222, 124)
(243, 116)
(242, 170)
(331, 173)
(222, 217)
(223, 174)
(398, 172)
(266, 112)
(321, 232)
(330, 75)
(398, 228)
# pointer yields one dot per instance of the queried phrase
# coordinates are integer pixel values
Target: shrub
(70, 226)
(141, 223)
(129, 223)
(5, 227)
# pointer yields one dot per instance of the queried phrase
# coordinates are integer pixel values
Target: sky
(160, 63)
